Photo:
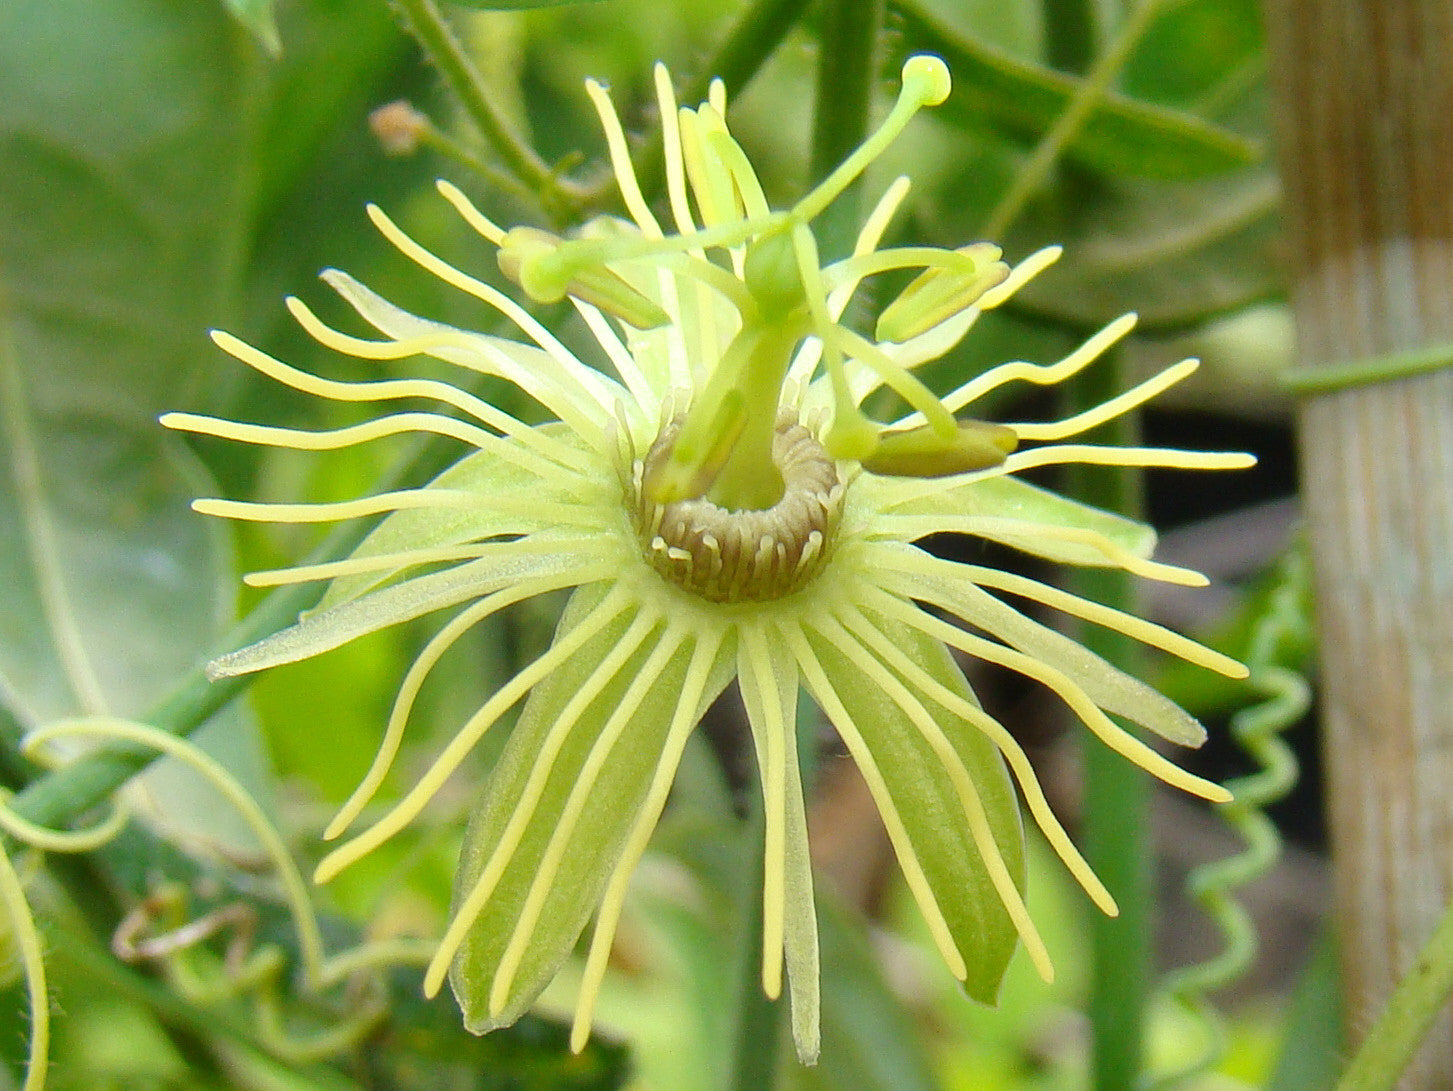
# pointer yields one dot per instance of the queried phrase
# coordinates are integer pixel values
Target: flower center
(746, 555)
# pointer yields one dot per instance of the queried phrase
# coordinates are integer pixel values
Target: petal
(620, 690)
(1009, 499)
(325, 630)
(920, 805)
(483, 474)
(941, 583)
(768, 679)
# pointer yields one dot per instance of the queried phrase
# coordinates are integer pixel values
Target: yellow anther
(922, 452)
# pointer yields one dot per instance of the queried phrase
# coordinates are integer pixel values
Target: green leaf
(515, 5)
(259, 17)
(1176, 255)
(1022, 99)
(121, 219)
(928, 803)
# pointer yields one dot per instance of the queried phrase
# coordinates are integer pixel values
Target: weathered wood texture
(1364, 93)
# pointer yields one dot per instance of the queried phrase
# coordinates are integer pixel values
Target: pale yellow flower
(724, 510)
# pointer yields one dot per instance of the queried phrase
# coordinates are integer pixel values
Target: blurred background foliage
(167, 166)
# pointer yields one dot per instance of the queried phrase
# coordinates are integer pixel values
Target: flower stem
(427, 24)
(1117, 794)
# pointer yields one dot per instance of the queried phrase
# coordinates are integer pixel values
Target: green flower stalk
(722, 509)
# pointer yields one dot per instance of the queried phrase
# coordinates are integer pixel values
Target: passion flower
(723, 510)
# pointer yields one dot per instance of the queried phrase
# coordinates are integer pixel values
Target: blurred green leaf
(120, 228)
(257, 16)
(1176, 255)
(1122, 135)
(515, 5)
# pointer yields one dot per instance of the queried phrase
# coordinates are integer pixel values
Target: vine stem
(1398, 1032)
(427, 24)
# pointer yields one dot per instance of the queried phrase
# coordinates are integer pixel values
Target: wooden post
(1365, 99)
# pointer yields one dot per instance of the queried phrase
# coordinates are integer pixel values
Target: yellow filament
(913, 874)
(1014, 754)
(407, 558)
(774, 810)
(1159, 457)
(1109, 410)
(671, 152)
(1019, 276)
(1147, 632)
(541, 443)
(1011, 530)
(254, 511)
(586, 380)
(469, 212)
(298, 440)
(620, 161)
(473, 730)
(968, 793)
(608, 916)
(474, 902)
(1105, 729)
(1041, 374)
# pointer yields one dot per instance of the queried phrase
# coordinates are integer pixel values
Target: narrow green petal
(575, 393)
(325, 630)
(768, 679)
(483, 474)
(1109, 687)
(932, 837)
(1003, 497)
(604, 822)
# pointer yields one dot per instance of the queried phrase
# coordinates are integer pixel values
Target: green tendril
(1286, 697)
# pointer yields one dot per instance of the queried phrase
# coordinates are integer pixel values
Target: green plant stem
(847, 74)
(757, 32)
(427, 24)
(757, 1030)
(1032, 175)
(1117, 793)
(1403, 1024)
